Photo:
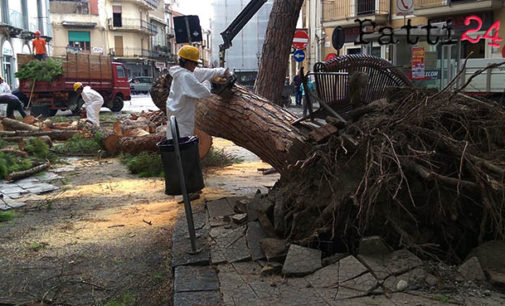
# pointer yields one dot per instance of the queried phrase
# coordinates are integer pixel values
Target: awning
(78, 36)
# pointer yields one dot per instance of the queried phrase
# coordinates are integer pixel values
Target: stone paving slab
(195, 278)
(325, 277)
(376, 266)
(349, 268)
(197, 298)
(42, 188)
(48, 176)
(301, 260)
(28, 182)
(402, 261)
(254, 235)
(364, 283)
(7, 203)
(220, 208)
(230, 246)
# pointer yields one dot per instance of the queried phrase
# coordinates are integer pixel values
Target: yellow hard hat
(77, 85)
(190, 53)
(1, 77)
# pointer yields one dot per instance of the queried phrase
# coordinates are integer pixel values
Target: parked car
(141, 84)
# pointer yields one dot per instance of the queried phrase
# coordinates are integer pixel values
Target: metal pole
(187, 205)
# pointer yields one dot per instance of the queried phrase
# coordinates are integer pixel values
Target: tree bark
(54, 134)
(14, 176)
(254, 123)
(14, 125)
(136, 145)
(276, 49)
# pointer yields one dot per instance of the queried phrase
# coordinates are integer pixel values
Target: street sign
(299, 55)
(300, 40)
(404, 7)
(187, 29)
(330, 56)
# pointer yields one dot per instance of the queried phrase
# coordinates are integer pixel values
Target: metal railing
(337, 10)
(137, 52)
(133, 24)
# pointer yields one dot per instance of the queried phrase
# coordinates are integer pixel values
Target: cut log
(137, 132)
(250, 121)
(254, 123)
(204, 142)
(136, 145)
(53, 134)
(14, 176)
(29, 119)
(111, 143)
(14, 125)
(15, 152)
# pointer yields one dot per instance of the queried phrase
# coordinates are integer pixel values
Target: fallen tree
(422, 171)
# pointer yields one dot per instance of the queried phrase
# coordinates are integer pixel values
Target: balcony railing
(147, 3)
(137, 52)
(133, 24)
(337, 10)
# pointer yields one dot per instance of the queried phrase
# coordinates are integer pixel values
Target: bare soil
(105, 237)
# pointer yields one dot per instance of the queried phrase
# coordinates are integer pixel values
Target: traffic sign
(330, 56)
(299, 55)
(300, 40)
(338, 38)
(404, 7)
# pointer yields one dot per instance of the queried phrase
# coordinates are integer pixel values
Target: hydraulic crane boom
(236, 26)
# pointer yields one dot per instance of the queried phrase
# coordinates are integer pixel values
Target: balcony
(146, 4)
(344, 12)
(137, 52)
(453, 7)
(131, 24)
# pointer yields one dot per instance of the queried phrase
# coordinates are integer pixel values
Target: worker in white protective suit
(4, 87)
(93, 102)
(189, 85)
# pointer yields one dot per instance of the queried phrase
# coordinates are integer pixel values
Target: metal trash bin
(190, 164)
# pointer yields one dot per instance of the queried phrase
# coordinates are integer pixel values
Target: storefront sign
(7, 49)
(97, 50)
(160, 65)
(417, 63)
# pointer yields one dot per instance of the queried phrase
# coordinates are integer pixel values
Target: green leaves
(36, 70)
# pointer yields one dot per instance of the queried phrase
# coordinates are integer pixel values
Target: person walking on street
(93, 102)
(297, 82)
(189, 85)
(4, 87)
(13, 103)
(39, 47)
(307, 102)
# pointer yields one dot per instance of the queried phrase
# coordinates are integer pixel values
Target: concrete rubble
(230, 268)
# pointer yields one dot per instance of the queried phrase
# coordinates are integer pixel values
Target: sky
(202, 8)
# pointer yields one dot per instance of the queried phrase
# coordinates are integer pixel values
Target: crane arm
(236, 26)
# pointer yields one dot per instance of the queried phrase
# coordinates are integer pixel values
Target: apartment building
(442, 61)
(131, 31)
(19, 20)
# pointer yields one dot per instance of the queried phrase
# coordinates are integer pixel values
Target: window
(120, 72)
(116, 16)
(79, 39)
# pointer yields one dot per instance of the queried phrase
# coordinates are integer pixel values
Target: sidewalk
(232, 269)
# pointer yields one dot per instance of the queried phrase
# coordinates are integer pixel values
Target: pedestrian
(189, 85)
(307, 102)
(297, 82)
(93, 102)
(4, 87)
(13, 103)
(39, 47)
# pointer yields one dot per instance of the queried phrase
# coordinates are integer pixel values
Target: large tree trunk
(255, 124)
(275, 54)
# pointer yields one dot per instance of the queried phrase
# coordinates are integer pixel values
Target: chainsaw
(222, 86)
